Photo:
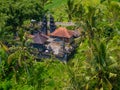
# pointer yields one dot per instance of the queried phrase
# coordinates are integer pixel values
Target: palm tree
(3, 58)
(104, 64)
(20, 57)
(95, 66)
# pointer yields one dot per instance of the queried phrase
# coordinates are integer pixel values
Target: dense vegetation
(94, 66)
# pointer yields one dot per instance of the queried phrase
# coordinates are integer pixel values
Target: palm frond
(4, 46)
(12, 56)
(108, 83)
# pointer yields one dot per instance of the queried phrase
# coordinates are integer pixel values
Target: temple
(56, 41)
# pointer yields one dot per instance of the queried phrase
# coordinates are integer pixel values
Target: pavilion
(39, 40)
(63, 34)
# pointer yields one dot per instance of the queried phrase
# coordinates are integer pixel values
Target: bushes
(5, 85)
(86, 70)
(43, 76)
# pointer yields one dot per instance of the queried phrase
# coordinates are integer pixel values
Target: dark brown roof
(39, 38)
(62, 32)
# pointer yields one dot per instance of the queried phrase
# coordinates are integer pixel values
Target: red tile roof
(62, 32)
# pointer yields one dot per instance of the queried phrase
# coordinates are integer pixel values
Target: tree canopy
(94, 64)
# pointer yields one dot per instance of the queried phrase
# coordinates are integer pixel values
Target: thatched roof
(39, 38)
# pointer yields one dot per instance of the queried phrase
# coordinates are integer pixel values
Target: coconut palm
(95, 66)
(20, 58)
(3, 59)
(101, 66)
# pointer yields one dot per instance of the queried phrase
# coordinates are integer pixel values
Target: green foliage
(55, 3)
(14, 13)
(6, 85)
(95, 64)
